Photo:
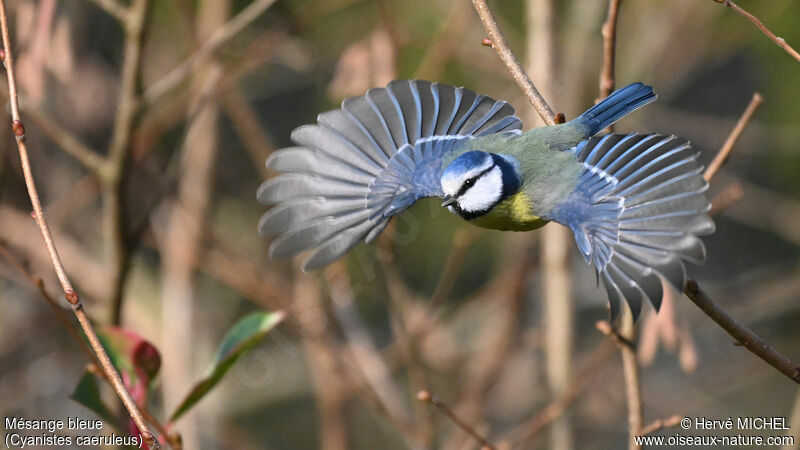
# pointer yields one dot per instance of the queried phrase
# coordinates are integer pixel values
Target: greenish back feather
(549, 173)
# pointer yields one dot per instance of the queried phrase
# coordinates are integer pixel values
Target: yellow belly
(512, 214)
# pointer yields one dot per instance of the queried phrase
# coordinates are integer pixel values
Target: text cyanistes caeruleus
(635, 202)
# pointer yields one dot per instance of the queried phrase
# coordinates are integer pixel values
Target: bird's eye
(469, 182)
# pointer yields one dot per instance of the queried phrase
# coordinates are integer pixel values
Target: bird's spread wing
(637, 212)
(371, 159)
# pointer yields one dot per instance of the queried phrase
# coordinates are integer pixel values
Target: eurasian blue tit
(635, 202)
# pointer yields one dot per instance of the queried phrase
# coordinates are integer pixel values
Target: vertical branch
(609, 31)
(70, 294)
(557, 299)
(630, 369)
(322, 361)
(184, 229)
(112, 175)
(627, 332)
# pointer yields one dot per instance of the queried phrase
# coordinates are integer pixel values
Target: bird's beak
(448, 200)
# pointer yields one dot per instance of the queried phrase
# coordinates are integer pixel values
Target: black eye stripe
(471, 181)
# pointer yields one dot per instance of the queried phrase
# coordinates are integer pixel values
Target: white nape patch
(602, 173)
(484, 194)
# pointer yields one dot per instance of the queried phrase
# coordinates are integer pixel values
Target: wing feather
(370, 160)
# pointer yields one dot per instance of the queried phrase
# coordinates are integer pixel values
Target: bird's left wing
(368, 161)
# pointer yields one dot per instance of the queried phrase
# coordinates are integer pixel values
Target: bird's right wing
(368, 161)
(637, 212)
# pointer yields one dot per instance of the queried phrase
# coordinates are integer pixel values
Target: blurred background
(149, 127)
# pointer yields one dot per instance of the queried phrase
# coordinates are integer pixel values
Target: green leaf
(87, 393)
(242, 337)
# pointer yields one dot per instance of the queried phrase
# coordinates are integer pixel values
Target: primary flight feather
(635, 202)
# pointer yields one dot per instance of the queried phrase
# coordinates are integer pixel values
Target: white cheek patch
(484, 194)
(451, 185)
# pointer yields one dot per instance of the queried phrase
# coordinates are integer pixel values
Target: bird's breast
(511, 214)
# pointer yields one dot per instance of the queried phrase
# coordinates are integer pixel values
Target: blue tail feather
(612, 108)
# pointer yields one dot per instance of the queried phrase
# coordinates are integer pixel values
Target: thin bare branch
(427, 397)
(633, 389)
(625, 341)
(94, 367)
(726, 198)
(499, 44)
(660, 424)
(183, 232)
(727, 147)
(606, 328)
(38, 284)
(65, 139)
(69, 292)
(114, 231)
(245, 121)
(742, 334)
(609, 31)
(179, 74)
(777, 40)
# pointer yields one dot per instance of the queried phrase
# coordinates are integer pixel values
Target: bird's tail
(637, 212)
(615, 106)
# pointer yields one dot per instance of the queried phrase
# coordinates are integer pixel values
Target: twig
(610, 331)
(627, 346)
(742, 334)
(66, 140)
(245, 122)
(609, 32)
(727, 147)
(660, 424)
(633, 389)
(426, 397)
(726, 198)
(69, 292)
(179, 74)
(777, 40)
(38, 284)
(72, 329)
(498, 43)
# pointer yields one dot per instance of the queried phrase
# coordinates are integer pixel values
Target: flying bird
(635, 202)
